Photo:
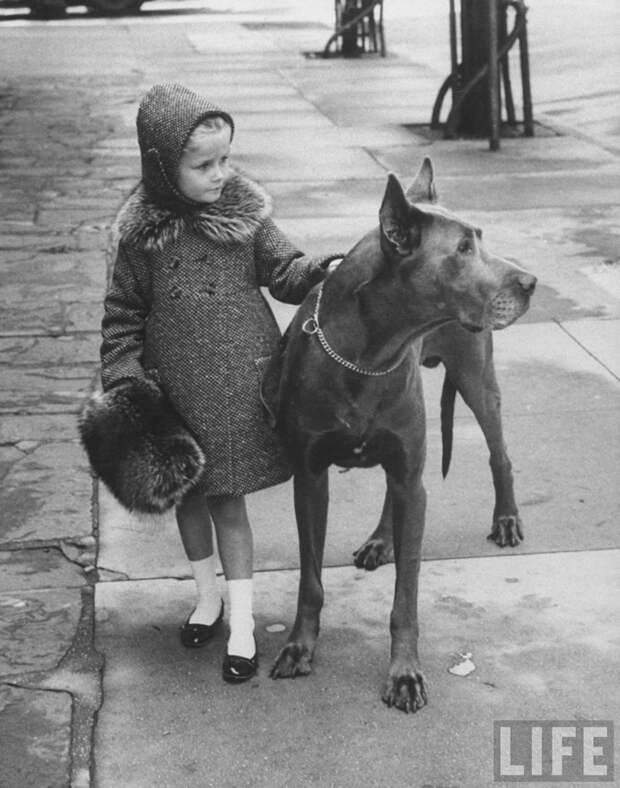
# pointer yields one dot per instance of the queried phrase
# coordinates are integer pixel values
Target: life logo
(553, 751)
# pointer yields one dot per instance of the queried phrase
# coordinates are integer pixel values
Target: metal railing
(462, 81)
(359, 29)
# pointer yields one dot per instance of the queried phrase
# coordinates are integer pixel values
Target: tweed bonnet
(167, 115)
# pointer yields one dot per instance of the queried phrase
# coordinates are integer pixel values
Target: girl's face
(203, 167)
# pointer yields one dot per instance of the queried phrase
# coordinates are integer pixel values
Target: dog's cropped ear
(423, 187)
(400, 221)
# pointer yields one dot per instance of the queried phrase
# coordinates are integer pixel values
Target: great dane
(419, 288)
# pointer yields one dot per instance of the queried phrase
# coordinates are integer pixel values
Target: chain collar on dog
(311, 326)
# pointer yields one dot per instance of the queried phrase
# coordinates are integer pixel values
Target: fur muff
(139, 447)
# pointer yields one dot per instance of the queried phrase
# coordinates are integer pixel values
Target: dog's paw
(373, 553)
(406, 692)
(507, 530)
(294, 660)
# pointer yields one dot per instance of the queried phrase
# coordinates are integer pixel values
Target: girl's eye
(465, 247)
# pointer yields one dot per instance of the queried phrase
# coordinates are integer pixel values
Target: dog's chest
(361, 436)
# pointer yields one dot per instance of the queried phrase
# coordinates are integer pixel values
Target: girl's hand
(333, 265)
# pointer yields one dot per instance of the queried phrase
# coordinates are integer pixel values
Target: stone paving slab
(21, 239)
(536, 191)
(301, 119)
(62, 351)
(411, 95)
(46, 492)
(513, 614)
(37, 725)
(351, 137)
(45, 567)
(36, 57)
(38, 428)
(500, 193)
(601, 339)
(65, 219)
(226, 39)
(596, 117)
(332, 163)
(561, 375)
(50, 389)
(527, 156)
(44, 620)
(243, 60)
(225, 74)
(133, 546)
(404, 83)
(379, 114)
(250, 93)
(350, 195)
(53, 317)
(327, 207)
(266, 104)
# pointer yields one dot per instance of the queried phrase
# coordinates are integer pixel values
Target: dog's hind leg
(470, 369)
(378, 548)
(311, 500)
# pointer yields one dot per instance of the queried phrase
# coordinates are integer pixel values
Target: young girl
(184, 309)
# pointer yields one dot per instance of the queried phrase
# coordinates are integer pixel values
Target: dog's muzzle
(512, 301)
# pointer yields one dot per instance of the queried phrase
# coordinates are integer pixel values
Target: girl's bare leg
(235, 544)
(196, 531)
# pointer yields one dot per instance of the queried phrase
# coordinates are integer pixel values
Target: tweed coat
(184, 306)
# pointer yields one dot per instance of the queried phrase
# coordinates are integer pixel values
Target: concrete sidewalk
(95, 687)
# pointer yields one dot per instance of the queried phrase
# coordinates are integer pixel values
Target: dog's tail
(448, 398)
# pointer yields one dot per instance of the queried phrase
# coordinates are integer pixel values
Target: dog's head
(440, 264)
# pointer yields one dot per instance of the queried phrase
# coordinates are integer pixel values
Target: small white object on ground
(464, 666)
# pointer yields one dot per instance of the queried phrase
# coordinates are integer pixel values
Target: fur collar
(242, 207)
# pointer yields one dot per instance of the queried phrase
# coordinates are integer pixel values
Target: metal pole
(453, 51)
(528, 113)
(493, 78)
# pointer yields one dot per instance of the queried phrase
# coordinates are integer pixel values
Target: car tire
(114, 7)
(48, 9)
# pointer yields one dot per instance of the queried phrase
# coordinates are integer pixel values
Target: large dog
(351, 395)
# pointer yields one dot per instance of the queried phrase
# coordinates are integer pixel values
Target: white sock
(209, 600)
(241, 642)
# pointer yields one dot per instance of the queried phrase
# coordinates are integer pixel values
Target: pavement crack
(111, 575)
(80, 551)
(585, 349)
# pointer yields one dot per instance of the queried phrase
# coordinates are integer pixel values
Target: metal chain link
(312, 326)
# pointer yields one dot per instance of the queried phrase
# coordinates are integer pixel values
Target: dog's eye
(465, 246)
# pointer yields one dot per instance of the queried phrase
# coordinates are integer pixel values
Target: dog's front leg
(311, 500)
(405, 688)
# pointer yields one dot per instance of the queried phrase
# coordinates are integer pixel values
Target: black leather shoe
(237, 669)
(196, 635)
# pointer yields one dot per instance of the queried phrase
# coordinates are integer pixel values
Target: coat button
(174, 263)
(175, 292)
